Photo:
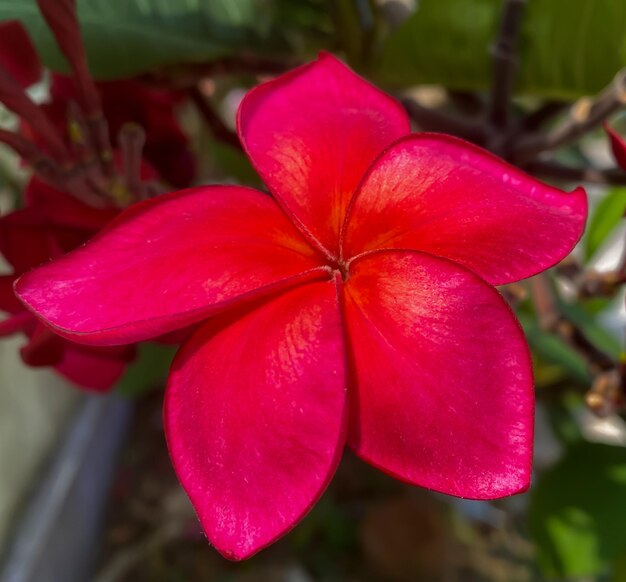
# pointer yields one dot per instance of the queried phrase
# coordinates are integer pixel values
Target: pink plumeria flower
(353, 306)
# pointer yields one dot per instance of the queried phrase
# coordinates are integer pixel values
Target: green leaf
(604, 220)
(568, 48)
(592, 330)
(562, 414)
(619, 569)
(552, 349)
(128, 37)
(577, 511)
(148, 371)
(596, 305)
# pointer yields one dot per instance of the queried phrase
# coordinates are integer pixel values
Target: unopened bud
(63, 21)
(14, 97)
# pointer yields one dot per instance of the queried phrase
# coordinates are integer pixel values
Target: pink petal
(24, 239)
(444, 389)
(19, 322)
(44, 348)
(18, 55)
(312, 133)
(8, 301)
(255, 416)
(618, 146)
(167, 263)
(51, 223)
(440, 195)
(61, 209)
(93, 369)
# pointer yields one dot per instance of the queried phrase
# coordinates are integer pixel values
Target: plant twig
(134, 555)
(428, 119)
(167, 526)
(584, 115)
(537, 118)
(543, 300)
(188, 75)
(214, 122)
(466, 102)
(505, 62)
(555, 171)
(552, 320)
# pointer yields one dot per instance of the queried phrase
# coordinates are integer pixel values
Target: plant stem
(428, 119)
(555, 171)
(505, 63)
(213, 121)
(584, 115)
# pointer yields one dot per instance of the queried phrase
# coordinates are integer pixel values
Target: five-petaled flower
(354, 305)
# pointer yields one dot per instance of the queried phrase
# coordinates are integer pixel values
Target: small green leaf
(562, 415)
(148, 371)
(577, 511)
(568, 48)
(596, 305)
(591, 329)
(553, 350)
(604, 220)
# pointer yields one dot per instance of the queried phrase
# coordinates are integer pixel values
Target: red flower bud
(17, 54)
(62, 20)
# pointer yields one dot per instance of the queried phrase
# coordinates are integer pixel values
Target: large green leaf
(619, 569)
(578, 511)
(568, 47)
(127, 37)
(605, 219)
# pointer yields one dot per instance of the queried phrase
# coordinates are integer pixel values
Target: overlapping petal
(58, 208)
(440, 195)
(44, 348)
(443, 394)
(167, 263)
(95, 369)
(24, 239)
(51, 223)
(16, 322)
(8, 301)
(255, 416)
(312, 133)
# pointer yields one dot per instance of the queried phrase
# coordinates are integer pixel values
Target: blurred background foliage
(569, 48)
(572, 524)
